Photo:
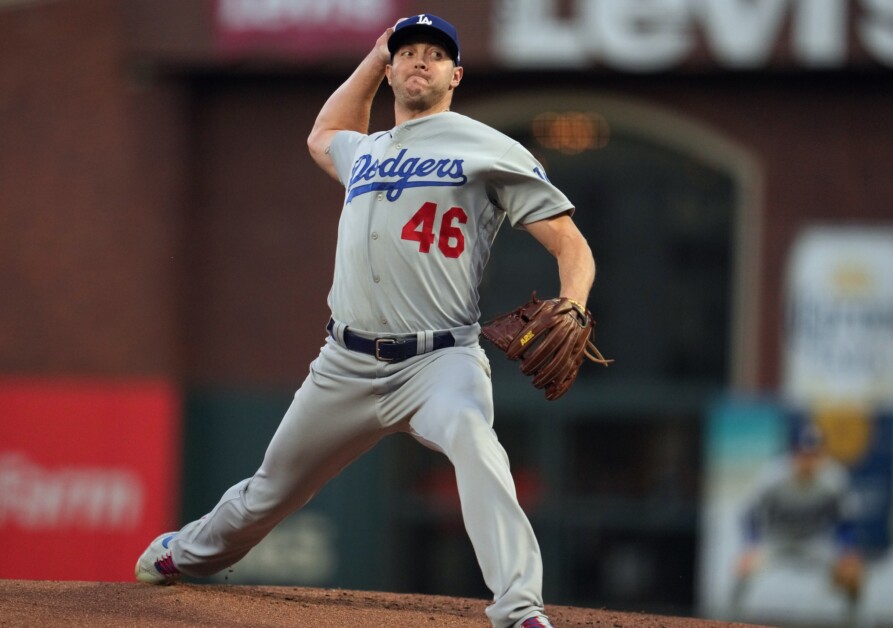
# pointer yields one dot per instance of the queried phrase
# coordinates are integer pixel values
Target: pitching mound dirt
(108, 604)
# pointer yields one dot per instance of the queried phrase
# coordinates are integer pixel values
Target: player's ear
(458, 72)
(387, 72)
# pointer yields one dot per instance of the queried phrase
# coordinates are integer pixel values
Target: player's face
(422, 76)
(806, 464)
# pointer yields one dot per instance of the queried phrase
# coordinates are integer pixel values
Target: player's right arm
(350, 106)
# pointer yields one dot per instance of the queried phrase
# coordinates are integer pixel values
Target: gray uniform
(422, 206)
(460, 175)
(800, 523)
(805, 519)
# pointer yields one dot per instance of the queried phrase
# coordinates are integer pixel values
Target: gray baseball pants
(350, 401)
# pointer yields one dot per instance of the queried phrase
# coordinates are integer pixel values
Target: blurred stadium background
(166, 248)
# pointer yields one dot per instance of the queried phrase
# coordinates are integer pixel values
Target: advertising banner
(89, 474)
(658, 36)
(838, 340)
(301, 29)
(797, 507)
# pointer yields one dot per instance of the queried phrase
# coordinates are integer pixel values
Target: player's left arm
(576, 266)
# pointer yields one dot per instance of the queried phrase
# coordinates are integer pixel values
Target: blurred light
(571, 132)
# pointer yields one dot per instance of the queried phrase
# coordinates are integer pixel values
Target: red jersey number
(420, 228)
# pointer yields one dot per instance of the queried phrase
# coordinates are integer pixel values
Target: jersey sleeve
(759, 497)
(518, 184)
(343, 151)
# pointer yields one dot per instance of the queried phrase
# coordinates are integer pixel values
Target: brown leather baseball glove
(550, 338)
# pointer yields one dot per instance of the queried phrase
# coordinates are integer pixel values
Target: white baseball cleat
(156, 565)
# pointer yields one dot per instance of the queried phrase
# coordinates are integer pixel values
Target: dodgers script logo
(402, 172)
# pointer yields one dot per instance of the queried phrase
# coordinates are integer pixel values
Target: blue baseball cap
(807, 437)
(427, 26)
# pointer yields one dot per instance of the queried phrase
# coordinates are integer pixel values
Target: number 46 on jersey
(450, 239)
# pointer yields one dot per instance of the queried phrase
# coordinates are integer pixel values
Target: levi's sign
(657, 35)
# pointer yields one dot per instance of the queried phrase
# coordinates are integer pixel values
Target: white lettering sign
(642, 35)
(839, 318)
(819, 36)
(90, 498)
(876, 29)
(741, 34)
(650, 35)
(278, 14)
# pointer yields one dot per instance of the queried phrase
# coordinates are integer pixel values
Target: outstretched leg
(330, 423)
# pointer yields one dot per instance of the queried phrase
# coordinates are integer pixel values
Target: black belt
(391, 348)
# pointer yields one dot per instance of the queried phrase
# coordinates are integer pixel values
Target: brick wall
(90, 190)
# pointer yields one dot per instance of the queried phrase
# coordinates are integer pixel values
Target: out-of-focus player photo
(797, 516)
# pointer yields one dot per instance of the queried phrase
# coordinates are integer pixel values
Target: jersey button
(384, 321)
(375, 235)
(380, 196)
(376, 278)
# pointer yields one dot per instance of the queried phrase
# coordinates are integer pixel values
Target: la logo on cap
(423, 19)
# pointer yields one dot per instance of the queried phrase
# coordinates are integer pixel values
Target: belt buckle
(378, 342)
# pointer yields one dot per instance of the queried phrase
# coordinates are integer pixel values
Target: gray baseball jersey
(788, 511)
(422, 206)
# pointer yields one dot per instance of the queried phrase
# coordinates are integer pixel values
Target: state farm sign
(656, 35)
(85, 464)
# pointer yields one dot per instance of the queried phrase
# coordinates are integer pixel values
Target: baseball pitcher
(422, 205)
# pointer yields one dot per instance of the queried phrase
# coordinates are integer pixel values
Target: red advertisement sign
(305, 29)
(89, 474)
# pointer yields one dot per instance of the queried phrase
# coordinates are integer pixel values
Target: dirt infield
(108, 604)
